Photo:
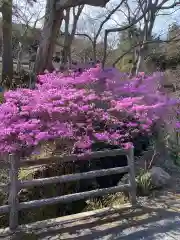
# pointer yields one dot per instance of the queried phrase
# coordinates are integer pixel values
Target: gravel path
(143, 223)
(147, 222)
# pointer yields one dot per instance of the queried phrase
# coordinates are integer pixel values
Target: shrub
(144, 183)
(85, 109)
(1, 97)
(174, 150)
(80, 112)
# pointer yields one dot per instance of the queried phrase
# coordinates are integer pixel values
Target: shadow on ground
(126, 223)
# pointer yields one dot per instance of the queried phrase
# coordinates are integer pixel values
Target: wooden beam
(67, 158)
(13, 193)
(132, 178)
(73, 177)
(74, 157)
(73, 197)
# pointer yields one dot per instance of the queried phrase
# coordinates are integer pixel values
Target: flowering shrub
(178, 126)
(86, 108)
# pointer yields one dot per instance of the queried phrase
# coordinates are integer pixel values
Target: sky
(161, 24)
(160, 28)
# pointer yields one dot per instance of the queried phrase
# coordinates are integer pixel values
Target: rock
(146, 181)
(159, 177)
(124, 180)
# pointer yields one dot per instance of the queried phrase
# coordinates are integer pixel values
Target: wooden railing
(15, 185)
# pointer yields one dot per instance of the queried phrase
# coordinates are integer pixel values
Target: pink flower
(178, 125)
(131, 124)
(115, 136)
(84, 143)
(103, 105)
(127, 145)
(102, 136)
(144, 126)
(141, 74)
(42, 136)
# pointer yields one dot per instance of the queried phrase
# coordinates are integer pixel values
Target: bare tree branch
(81, 34)
(107, 18)
(76, 18)
(96, 34)
(71, 3)
(168, 7)
(149, 13)
(173, 39)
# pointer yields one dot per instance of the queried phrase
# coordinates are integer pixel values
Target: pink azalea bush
(178, 126)
(87, 108)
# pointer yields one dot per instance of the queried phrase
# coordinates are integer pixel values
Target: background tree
(10, 36)
(92, 26)
(28, 19)
(69, 34)
(52, 23)
(128, 39)
(145, 14)
(7, 60)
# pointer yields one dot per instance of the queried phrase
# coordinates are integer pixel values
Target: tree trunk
(133, 69)
(67, 52)
(7, 60)
(19, 58)
(139, 63)
(67, 38)
(65, 55)
(69, 57)
(94, 52)
(134, 62)
(50, 31)
(141, 59)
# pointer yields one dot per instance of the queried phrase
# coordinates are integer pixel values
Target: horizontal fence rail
(73, 197)
(16, 185)
(73, 177)
(67, 158)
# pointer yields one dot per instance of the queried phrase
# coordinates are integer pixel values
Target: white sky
(161, 24)
(89, 25)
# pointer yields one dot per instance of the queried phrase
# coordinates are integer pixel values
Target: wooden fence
(15, 184)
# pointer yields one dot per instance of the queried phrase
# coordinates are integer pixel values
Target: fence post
(13, 191)
(132, 179)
